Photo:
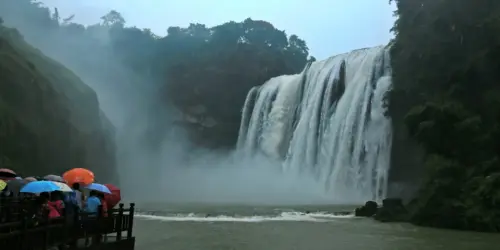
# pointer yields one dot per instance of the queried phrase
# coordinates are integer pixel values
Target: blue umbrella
(36, 187)
(98, 187)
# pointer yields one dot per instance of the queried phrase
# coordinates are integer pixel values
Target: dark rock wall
(50, 121)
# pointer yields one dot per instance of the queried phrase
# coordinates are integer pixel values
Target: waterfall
(328, 122)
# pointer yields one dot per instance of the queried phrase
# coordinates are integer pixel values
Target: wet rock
(368, 210)
(343, 213)
(392, 210)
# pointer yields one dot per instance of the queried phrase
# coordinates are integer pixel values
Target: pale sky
(328, 26)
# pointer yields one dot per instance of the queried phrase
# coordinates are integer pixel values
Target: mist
(180, 172)
(176, 170)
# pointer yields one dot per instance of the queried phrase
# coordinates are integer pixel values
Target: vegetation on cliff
(205, 72)
(50, 120)
(446, 72)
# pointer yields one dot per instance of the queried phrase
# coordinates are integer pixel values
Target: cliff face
(50, 120)
(407, 160)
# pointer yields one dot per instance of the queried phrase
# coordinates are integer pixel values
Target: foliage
(446, 73)
(221, 64)
(195, 67)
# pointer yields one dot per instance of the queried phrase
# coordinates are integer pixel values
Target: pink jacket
(55, 208)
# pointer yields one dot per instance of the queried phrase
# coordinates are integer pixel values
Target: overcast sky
(328, 26)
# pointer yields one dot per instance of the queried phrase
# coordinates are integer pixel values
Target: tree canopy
(446, 71)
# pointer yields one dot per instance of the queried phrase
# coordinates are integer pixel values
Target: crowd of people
(69, 201)
(57, 203)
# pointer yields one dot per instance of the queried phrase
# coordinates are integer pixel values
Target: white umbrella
(53, 177)
(63, 186)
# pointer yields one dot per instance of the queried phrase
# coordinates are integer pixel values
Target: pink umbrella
(7, 174)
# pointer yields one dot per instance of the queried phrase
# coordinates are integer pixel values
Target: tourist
(104, 205)
(45, 208)
(77, 195)
(5, 211)
(6, 193)
(73, 203)
(37, 209)
(56, 201)
(92, 204)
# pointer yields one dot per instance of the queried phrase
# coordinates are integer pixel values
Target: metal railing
(20, 229)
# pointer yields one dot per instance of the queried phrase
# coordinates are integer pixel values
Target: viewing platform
(20, 229)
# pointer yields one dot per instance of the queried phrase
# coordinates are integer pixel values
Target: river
(224, 227)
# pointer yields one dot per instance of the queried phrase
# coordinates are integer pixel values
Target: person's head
(6, 191)
(56, 195)
(76, 186)
(94, 193)
(44, 197)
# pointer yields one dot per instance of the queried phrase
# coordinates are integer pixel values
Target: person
(92, 204)
(73, 203)
(46, 208)
(57, 202)
(6, 193)
(104, 205)
(77, 196)
(91, 207)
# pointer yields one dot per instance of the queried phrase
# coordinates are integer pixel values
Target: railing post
(45, 231)
(119, 223)
(98, 227)
(130, 221)
(24, 226)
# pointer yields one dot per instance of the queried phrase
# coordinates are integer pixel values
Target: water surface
(203, 227)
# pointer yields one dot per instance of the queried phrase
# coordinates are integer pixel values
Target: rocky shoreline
(391, 210)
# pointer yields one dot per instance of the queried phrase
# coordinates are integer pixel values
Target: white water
(284, 216)
(327, 122)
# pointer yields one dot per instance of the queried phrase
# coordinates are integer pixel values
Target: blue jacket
(92, 205)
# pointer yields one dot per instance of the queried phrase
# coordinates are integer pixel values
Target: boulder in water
(392, 210)
(368, 210)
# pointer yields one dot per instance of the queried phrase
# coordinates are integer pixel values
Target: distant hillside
(50, 120)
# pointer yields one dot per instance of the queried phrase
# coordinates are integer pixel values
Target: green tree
(446, 74)
(113, 18)
(216, 67)
(211, 68)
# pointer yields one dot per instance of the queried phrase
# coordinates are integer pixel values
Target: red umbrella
(114, 198)
(7, 174)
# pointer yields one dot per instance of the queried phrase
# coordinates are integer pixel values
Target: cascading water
(327, 122)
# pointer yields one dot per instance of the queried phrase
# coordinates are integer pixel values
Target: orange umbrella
(78, 175)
